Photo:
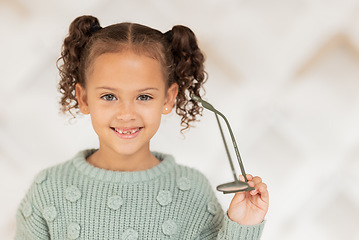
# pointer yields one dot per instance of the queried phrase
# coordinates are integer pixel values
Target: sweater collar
(80, 163)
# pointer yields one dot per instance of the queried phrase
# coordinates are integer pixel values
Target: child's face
(125, 95)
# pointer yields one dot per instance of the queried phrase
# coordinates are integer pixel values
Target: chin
(127, 151)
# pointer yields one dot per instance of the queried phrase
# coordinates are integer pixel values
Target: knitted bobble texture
(166, 201)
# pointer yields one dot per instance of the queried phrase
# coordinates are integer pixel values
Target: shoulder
(64, 170)
(181, 171)
(189, 177)
(45, 193)
(197, 177)
(52, 178)
(53, 173)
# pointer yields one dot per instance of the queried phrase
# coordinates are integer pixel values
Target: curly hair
(177, 50)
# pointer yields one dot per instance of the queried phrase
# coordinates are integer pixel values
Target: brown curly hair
(177, 50)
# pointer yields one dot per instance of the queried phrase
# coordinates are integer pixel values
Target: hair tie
(95, 27)
(168, 35)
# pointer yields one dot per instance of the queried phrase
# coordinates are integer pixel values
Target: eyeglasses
(236, 185)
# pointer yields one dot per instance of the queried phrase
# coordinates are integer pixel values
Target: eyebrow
(139, 90)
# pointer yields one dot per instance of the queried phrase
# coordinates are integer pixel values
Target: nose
(126, 111)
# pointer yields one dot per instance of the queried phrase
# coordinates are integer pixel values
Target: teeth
(128, 131)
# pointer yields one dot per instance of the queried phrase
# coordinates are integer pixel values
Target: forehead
(126, 69)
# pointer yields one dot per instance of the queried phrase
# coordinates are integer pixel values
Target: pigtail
(71, 71)
(188, 72)
(176, 50)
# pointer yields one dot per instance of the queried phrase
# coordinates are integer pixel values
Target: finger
(257, 180)
(249, 177)
(251, 183)
(255, 191)
(263, 190)
(258, 185)
(241, 178)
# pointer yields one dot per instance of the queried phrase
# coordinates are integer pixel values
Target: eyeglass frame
(209, 107)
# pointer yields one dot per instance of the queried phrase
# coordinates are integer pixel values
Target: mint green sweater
(75, 200)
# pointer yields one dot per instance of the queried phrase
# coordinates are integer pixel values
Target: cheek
(152, 116)
(97, 108)
(98, 121)
(100, 116)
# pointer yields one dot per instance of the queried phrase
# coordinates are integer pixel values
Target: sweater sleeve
(221, 227)
(30, 223)
(233, 230)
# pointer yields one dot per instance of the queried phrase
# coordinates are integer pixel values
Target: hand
(250, 208)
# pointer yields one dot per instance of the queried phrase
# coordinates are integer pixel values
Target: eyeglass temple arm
(234, 144)
(211, 108)
(226, 147)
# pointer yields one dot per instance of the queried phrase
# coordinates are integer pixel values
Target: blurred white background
(284, 72)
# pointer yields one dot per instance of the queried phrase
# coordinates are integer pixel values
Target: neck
(110, 160)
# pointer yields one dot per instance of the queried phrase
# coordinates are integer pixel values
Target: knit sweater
(75, 200)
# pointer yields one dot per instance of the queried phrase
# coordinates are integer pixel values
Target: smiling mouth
(126, 131)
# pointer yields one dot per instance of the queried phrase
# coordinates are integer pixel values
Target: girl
(126, 76)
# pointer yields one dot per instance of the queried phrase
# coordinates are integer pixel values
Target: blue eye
(144, 97)
(109, 97)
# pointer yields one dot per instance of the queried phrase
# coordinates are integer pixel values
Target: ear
(82, 98)
(170, 98)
